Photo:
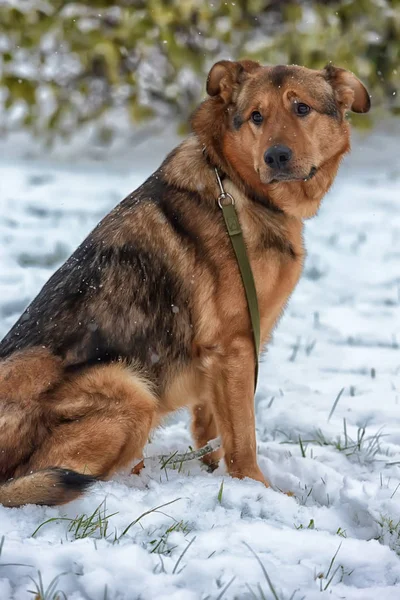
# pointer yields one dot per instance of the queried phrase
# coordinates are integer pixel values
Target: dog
(149, 314)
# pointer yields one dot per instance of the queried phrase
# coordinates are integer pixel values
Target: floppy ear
(350, 92)
(226, 76)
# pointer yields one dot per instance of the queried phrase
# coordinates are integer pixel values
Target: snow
(341, 331)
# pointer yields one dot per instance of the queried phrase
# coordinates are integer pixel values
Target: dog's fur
(149, 314)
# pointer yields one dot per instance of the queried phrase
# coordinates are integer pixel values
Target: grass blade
(335, 403)
(146, 513)
(221, 491)
(271, 587)
(182, 555)
(225, 588)
(333, 560)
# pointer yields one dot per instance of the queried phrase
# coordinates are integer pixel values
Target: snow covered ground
(340, 532)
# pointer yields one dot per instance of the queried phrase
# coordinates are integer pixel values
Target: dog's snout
(277, 157)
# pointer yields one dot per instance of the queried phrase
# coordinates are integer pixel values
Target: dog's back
(117, 290)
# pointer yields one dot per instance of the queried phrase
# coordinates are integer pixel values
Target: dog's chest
(276, 275)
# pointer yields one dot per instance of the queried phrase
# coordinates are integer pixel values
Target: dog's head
(280, 130)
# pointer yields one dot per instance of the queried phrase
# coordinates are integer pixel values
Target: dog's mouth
(286, 175)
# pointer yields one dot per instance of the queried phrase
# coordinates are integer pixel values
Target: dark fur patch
(281, 244)
(329, 107)
(279, 74)
(237, 121)
(330, 72)
(73, 481)
(177, 221)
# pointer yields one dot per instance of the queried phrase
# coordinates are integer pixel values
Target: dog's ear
(350, 92)
(226, 76)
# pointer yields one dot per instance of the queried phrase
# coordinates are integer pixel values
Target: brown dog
(149, 314)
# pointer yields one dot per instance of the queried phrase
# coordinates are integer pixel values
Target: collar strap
(227, 204)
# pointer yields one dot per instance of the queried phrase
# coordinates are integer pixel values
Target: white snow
(341, 330)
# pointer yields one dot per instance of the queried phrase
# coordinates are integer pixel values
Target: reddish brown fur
(64, 413)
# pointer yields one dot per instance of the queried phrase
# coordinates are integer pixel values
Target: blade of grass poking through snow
(182, 555)
(52, 520)
(83, 526)
(345, 433)
(335, 403)
(271, 587)
(330, 568)
(221, 595)
(302, 449)
(398, 485)
(51, 593)
(221, 491)
(148, 512)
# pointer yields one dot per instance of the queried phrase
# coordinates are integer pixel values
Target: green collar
(227, 204)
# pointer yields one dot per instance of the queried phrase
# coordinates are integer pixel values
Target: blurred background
(65, 65)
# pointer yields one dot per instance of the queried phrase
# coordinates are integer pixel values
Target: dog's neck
(192, 167)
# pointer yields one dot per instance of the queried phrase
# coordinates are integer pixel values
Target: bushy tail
(50, 487)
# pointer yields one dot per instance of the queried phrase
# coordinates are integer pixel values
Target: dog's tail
(49, 487)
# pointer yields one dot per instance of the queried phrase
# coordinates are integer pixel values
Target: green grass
(303, 499)
(341, 532)
(220, 492)
(51, 592)
(335, 403)
(390, 532)
(97, 524)
(325, 579)
(362, 448)
(175, 569)
(225, 589)
(161, 545)
(311, 525)
(147, 512)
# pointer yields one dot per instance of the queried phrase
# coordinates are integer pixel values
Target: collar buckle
(223, 195)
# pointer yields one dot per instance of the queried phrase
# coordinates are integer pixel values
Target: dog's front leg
(233, 404)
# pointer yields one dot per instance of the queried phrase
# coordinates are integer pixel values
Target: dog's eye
(301, 109)
(256, 117)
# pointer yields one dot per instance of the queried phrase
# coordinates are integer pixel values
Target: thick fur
(50, 487)
(149, 313)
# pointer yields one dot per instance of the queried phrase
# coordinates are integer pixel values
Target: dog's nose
(277, 157)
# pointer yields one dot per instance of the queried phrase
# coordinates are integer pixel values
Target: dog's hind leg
(24, 377)
(28, 373)
(103, 416)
